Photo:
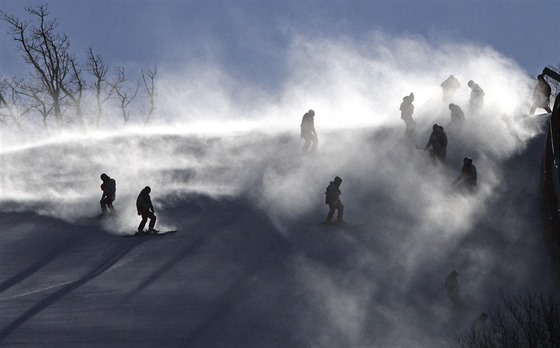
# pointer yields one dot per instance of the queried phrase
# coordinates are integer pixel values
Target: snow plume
(230, 140)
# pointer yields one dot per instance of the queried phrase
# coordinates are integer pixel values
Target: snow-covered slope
(250, 265)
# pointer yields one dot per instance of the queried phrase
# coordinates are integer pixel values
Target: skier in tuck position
(308, 132)
(109, 188)
(466, 182)
(333, 200)
(146, 210)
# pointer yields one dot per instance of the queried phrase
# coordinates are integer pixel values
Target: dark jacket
(307, 125)
(468, 174)
(144, 202)
(109, 188)
(332, 193)
(438, 142)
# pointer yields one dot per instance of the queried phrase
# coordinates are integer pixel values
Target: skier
(449, 87)
(466, 182)
(109, 188)
(407, 109)
(438, 144)
(308, 131)
(541, 95)
(476, 101)
(452, 287)
(333, 200)
(457, 116)
(480, 330)
(146, 210)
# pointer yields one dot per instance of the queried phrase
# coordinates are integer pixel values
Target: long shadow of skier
(168, 265)
(118, 253)
(40, 263)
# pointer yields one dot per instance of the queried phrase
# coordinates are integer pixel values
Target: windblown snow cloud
(217, 137)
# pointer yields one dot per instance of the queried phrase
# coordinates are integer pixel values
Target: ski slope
(249, 266)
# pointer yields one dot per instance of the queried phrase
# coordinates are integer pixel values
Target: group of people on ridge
(437, 146)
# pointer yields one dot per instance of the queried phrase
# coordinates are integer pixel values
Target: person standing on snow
(541, 95)
(407, 109)
(466, 182)
(109, 188)
(476, 101)
(438, 144)
(146, 210)
(333, 200)
(453, 291)
(449, 87)
(308, 132)
(457, 116)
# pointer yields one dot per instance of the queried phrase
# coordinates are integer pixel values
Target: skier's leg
(103, 204)
(110, 206)
(306, 145)
(332, 208)
(153, 219)
(143, 222)
(340, 215)
(315, 143)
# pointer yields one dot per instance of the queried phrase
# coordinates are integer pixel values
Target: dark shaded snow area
(251, 265)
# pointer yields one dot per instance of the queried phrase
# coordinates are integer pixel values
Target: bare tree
(148, 77)
(125, 96)
(48, 53)
(103, 89)
(74, 90)
(9, 99)
(527, 320)
(36, 98)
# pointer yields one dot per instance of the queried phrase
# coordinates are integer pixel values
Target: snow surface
(250, 266)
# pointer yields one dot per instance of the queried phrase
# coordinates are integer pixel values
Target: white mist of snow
(217, 138)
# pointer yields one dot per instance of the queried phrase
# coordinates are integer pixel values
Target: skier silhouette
(457, 116)
(480, 330)
(407, 109)
(452, 288)
(476, 101)
(109, 188)
(308, 132)
(333, 200)
(467, 180)
(146, 210)
(541, 95)
(449, 88)
(438, 144)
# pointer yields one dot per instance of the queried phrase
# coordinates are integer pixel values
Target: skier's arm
(428, 144)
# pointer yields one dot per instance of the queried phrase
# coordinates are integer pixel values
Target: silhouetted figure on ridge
(333, 200)
(407, 109)
(453, 291)
(476, 101)
(109, 188)
(449, 87)
(457, 116)
(438, 144)
(480, 330)
(146, 210)
(308, 132)
(541, 95)
(467, 180)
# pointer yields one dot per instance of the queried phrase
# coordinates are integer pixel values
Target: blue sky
(248, 38)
